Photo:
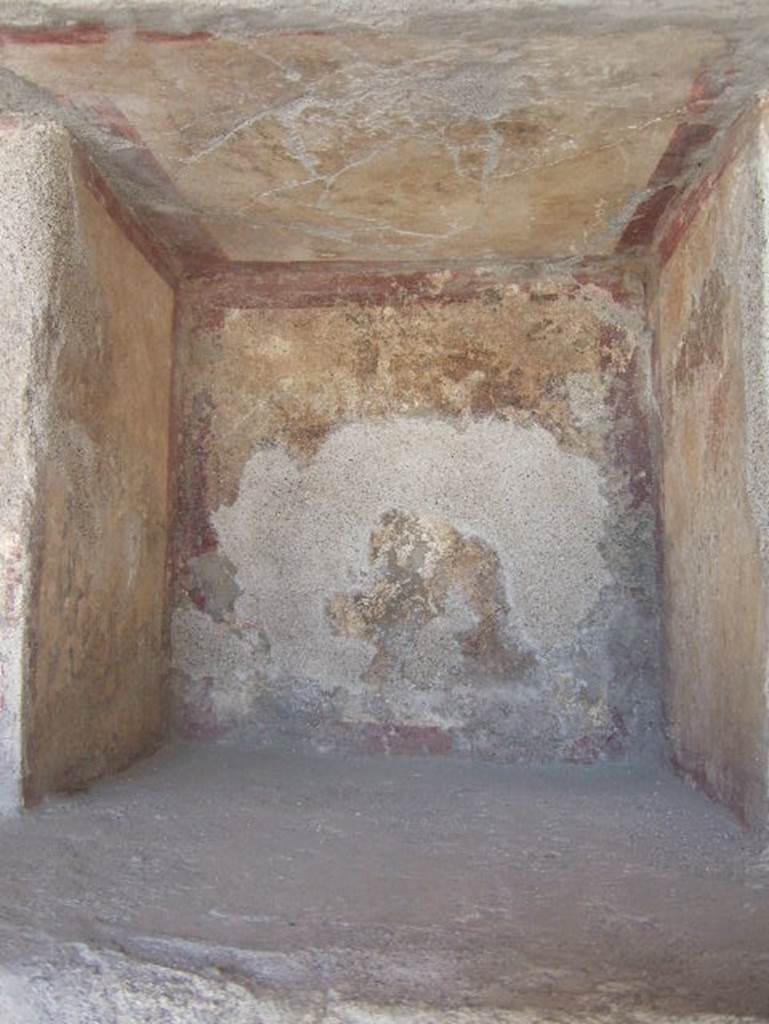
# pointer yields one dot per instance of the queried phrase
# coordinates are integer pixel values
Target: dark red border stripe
(177, 231)
(686, 139)
(149, 36)
(89, 34)
(640, 229)
(70, 35)
(128, 223)
(682, 214)
(317, 284)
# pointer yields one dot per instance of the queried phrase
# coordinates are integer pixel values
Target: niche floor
(215, 884)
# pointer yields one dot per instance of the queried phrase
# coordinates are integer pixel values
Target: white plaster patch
(299, 534)
(13, 587)
(587, 403)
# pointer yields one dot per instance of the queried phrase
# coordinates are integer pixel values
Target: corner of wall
(709, 306)
(85, 361)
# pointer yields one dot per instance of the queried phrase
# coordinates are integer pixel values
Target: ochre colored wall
(96, 685)
(415, 513)
(712, 392)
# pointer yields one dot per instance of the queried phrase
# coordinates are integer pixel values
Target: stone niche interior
(434, 427)
(423, 509)
(416, 521)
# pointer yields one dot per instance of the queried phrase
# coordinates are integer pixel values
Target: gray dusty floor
(222, 885)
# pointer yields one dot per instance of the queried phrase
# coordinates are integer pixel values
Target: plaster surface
(383, 131)
(29, 209)
(87, 378)
(213, 885)
(97, 695)
(712, 381)
(417, 525)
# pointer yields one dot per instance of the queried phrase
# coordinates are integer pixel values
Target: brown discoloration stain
(291, 375)
(703, 342)
(713, 589)
(98, 666)
(720, 408)
(460, 162)
(418, 567)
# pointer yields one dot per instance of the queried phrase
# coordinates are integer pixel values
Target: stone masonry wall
(415, 513)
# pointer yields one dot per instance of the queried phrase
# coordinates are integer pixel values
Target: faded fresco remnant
(419, 568)
(417, 524)
(86, 369)
(711, 380)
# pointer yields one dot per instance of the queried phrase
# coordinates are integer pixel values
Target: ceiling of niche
(498, 133)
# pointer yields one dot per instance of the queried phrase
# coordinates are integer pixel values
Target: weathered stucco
(87, 408)
(452, 159)
(28, 207)
(414, 501)
(389, 131)
(713, 393)
(417, 524)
